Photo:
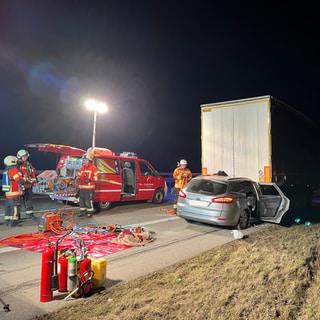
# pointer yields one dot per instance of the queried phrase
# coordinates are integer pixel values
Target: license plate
(198, 203)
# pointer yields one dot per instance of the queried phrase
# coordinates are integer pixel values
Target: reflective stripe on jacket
(16, 181)
(5, 181)
(87, 176)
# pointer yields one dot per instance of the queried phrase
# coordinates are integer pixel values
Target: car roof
(222, 178)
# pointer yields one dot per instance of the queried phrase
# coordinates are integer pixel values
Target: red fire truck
(60, 184)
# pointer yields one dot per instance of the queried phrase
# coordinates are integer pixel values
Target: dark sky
(154, 63)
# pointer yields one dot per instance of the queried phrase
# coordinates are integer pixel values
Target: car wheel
(158, 196)
(244, 220)
(104, 205)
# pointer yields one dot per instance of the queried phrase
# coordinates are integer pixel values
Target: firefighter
(182, 175)
(88, 174)
(29, 173)
(12, 185)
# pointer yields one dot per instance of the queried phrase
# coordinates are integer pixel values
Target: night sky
(154, 63)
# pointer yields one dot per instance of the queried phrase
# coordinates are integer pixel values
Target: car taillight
(226, 199)
(181, 194)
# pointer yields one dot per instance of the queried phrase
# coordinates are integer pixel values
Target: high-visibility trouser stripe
(15, 213)
(91, 209)
(15, 216)
(83, 209)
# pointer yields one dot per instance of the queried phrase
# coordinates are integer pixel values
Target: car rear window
(207, 187)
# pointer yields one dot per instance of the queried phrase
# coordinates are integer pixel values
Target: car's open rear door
(273, 204)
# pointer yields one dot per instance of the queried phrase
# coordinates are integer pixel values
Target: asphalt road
(175, 240)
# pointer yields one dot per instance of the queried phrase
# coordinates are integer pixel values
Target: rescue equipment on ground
(47, 264)
(80, 275)
(62, 271)
(85, 273)
(171, 211)
(84, 287)
(49, 270)
(72, 273)
(57, 221)
(130, 237)
(69, 272)
(99, 267)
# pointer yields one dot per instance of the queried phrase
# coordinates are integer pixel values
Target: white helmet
(22, 153)
(10, 161)
(87, 156)
(183, 162)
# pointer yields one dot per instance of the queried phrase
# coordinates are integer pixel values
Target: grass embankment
(272, 274)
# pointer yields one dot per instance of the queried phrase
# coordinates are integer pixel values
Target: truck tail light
(225, 199)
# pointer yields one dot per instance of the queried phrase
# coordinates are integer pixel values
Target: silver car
(232, 202)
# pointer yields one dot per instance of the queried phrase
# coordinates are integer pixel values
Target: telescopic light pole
(94, 129)
(96, 107)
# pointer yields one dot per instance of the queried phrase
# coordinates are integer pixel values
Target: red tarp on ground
(97, 244)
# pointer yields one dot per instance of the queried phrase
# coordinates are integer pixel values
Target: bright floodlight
(95, 106)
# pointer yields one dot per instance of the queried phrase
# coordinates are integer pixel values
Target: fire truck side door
(146, 181)
(108, 188)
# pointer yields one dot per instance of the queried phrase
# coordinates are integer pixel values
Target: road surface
(175, 240)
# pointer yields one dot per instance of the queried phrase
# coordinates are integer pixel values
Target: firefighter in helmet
(29, 173)
(182, 175)
(88, 174)
(12, 185)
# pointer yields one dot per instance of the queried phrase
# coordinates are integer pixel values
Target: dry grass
(272, 274)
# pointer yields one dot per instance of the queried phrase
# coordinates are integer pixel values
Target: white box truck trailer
(263, 139)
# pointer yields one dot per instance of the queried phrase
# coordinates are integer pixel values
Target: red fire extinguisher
(85, 278)
(63, 273)
(85, 265)
(46, 293)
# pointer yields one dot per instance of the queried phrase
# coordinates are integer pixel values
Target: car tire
(158, 196)
(104, 205)
(244, 220)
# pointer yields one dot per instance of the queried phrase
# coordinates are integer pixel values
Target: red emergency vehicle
(60, 184)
